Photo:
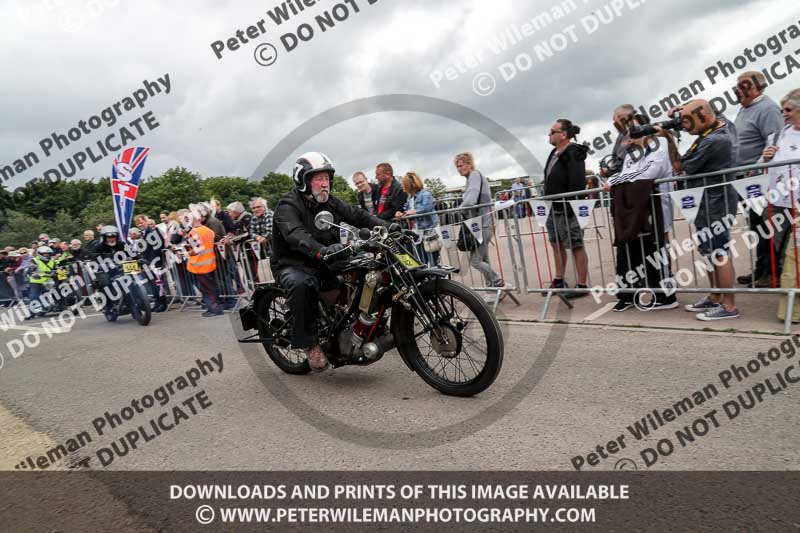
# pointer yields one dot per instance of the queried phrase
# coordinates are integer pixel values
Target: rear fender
(248, 315)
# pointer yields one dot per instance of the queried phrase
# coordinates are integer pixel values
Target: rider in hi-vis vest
(42, 269)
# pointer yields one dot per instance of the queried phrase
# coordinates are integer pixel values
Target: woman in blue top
(420, 202)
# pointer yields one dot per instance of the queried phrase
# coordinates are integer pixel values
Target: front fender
(422, 274)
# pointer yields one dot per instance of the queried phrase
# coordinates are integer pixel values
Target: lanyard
(717, 125)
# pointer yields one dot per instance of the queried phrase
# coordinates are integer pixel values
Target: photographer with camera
(565, 171)
(715, 148)
(612, 163)
(639, 220)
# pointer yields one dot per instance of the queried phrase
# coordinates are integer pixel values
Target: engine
(370, 324)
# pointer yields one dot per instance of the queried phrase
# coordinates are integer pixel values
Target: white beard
(321, 197)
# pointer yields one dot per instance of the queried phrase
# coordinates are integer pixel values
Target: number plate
(62, 274)
(130, 267)
(407, 261)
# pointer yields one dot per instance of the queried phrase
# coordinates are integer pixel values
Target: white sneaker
(660, 306)
(702, 306)
(718, 313)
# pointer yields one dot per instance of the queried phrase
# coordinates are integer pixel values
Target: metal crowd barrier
(499, 255)
(9, 289)
(240, 267)
(521, 251)
(14, 288)
(536, 267)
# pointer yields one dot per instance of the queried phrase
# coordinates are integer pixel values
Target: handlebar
(374, 242)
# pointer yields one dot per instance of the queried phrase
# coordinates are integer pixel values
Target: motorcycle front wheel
(461, 353)
(139, 303)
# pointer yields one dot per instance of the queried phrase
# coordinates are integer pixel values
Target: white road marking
(40, 330)
(600, 312)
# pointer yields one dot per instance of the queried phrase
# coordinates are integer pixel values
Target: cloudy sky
(66, 60)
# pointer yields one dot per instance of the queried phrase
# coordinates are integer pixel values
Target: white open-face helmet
(108, 231)
(308, 164)
(45, 252)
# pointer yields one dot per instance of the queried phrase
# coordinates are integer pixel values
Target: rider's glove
(335, 252)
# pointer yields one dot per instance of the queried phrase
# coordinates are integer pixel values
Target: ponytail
(571, 129)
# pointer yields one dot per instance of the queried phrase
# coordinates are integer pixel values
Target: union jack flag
(125, 177)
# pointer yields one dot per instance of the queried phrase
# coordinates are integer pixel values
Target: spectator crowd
(202, 242)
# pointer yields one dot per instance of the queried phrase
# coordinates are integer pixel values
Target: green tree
(20, 229)
(174, 189)
(230, 189)
(98, 211)
(342, 190)
(64, 226)
(273, 186)
(436, 186)
(6, 200)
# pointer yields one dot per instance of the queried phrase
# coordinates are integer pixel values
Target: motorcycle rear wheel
(274, 321)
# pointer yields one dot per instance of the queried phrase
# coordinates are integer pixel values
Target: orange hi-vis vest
(203, 261)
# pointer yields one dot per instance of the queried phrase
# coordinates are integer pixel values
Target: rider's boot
(317, 359)
(161, 305)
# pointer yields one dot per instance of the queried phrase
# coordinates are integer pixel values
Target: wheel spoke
(454, 318)
(277, 312)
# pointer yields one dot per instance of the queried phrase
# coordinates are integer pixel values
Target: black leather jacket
(104, 250)
(395, 200)
(295, 239)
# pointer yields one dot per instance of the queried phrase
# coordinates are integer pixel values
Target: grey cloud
(224, 115)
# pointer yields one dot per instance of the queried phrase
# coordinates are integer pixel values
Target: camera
(644, 130)
(610, 164)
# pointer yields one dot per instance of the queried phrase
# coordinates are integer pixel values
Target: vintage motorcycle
(383, 298)
(135, 300)
(59, 284)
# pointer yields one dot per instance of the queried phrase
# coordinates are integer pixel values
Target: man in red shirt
(389, 196)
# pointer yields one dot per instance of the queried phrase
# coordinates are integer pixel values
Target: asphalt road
(563, 390)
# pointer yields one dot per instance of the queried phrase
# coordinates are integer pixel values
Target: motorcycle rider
(299, 249)
(42, 268)
(108, 246)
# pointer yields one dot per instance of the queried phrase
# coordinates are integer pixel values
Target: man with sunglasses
(565, 171)
(758, 118)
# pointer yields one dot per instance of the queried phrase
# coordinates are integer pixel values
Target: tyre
(462, 352)
(275, 321)
(111, 315)
(139, 303)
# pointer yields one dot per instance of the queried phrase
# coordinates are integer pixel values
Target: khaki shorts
(564, 229)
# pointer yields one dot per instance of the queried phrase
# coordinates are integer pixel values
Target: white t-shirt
(788, 149)
(652, 165)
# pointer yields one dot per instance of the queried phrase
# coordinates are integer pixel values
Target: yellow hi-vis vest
(44, 271)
